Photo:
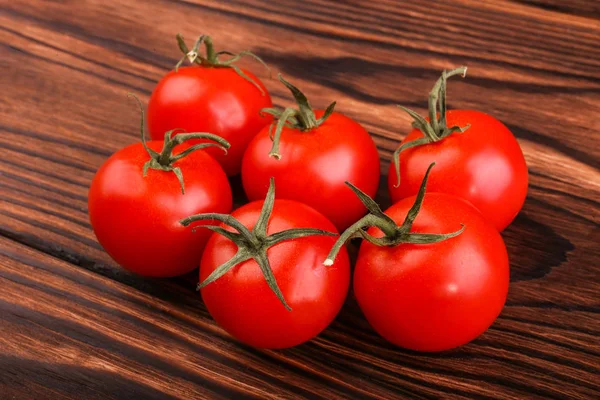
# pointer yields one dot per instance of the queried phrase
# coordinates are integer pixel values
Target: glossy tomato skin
(314, 166)
(438, 296)
(483, 165)
(244, 305)
(136, 219)
(212, 100)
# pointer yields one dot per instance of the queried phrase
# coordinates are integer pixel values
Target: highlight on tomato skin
(211, 95)
(477, 158)
(262, 276)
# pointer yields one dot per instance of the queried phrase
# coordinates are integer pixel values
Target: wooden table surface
(75, 325)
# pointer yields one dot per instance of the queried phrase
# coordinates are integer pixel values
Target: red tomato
(136, 218)
(314, 165)
(484, 164)
(242, 302)
(215, 100)
(433, 297)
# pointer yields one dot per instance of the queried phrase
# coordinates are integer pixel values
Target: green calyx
(303, 118)
(252, 244)
(436, 128)
(164, 160)
(394, 234)
(211, 58)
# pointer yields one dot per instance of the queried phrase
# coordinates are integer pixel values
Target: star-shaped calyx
(164, 160)
(252, 244)
(303, 118)
(211, 58)
(436, 128)
(394, 234)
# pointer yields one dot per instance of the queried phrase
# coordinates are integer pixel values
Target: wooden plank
(75, 325)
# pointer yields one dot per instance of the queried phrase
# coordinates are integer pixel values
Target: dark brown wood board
(74, 325)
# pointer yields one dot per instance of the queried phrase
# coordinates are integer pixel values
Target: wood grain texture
(74, 325)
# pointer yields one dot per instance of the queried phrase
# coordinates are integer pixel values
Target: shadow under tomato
(534, 249)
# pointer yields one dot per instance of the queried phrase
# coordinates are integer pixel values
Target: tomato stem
(394, 234)
(211, 59)
(436, 128)
(252, 244)
(303, 118)
(164, 160)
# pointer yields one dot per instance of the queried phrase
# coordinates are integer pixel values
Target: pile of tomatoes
(432, 272)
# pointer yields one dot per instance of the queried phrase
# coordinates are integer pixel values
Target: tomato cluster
(432, 272)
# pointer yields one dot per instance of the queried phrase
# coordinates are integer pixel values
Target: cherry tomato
(136, 218)
(432, 273)
(211, 97)
(433, 297)
(215, 100)
(313, 165)
(484, 165)
(244, 303)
